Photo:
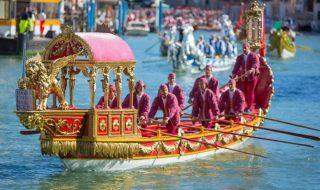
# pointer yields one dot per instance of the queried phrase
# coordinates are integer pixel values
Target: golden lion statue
(43, 81)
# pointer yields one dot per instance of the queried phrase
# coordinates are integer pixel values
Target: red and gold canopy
(97, 47)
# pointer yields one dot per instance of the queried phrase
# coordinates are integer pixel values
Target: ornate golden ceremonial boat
(111, 139)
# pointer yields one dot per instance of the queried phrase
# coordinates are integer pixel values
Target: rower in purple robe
(141, 101)
(205, 105)
(232, 101)
(247, 69)
(112, 101)
(175, 89)
(168, 104)
(213, 84)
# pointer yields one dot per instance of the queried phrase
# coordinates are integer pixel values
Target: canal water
(297, 99)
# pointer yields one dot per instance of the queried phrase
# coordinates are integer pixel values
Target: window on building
(4, 9)
(318, 15)
(309, 5)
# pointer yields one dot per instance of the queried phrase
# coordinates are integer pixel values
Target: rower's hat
(112, 87)
(203, 80)
(172, 75)
(140, 83)
(208, 67)
(232, 81)
(163, 86)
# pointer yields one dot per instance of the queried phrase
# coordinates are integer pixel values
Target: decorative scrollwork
(32, 121)
(169, 148)
(115, 125)
(148, 149)
(226, 138)
(102, 125)
(193, 146)
(128, 124)
(70, 128)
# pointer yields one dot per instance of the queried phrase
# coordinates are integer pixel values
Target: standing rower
(168, 103)
(205, 104)
(247, 68)
(141, 101)
(232, 101)
(213, 84)
(175, 89)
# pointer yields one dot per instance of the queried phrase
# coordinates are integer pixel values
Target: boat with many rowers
(112, 139)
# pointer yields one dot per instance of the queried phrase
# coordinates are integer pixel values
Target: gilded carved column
(130, 72)
(72, 80)
(64, 80)
(92, 84)
(119, 86)
(105, 86)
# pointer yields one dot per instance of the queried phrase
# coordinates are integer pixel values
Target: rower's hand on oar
(165, 121)
(194, 119)
(153, 121)
(142, 120)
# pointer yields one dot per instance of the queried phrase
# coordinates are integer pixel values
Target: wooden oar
(304, 48)
(192, 140)
(261, 138)
(306, 136)
(311, 137)
(153, 45)
(285, 122)
(188, 106)
(29, 132)
(153, 60)
(237, 78)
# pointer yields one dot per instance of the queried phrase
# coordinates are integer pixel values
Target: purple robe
(112, 104)
(213, 84)
(237, 102)
(143, 105)
(205, 106)
(248, 84)
(241, 67)
(178, 92)
(170, 108)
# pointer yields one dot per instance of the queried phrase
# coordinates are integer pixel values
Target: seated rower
(209, 51)
(205, 105)
(212, 40)
(200, 43)
(213, 84)
(175, 89)
(168, 103)
(141, 101)
(112, 101)
(220, 47)
(232, 101)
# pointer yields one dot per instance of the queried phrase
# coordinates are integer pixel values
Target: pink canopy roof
(107, 47)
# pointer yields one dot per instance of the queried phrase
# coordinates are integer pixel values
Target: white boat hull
(137, 32)
(287, 54)
(129, 164)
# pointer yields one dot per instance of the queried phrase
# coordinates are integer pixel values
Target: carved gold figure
(43, 81)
